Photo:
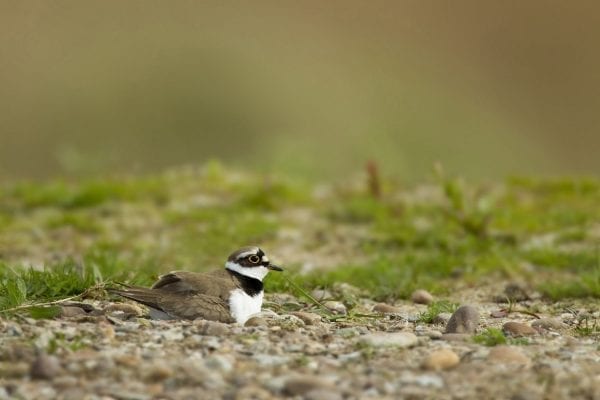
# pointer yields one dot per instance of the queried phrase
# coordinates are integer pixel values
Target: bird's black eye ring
(254, 259)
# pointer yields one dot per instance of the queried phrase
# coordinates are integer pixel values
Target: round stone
(385, 309)
(518, 329)
(421, 296)
(441, 359)
(256, 321)
(464, 320)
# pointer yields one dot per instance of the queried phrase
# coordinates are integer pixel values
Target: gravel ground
(105, 350)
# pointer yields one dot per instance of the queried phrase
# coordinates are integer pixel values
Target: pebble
(393, 339)
(301, 385)
(307, 317)
(441, 359)
(552, 324)
(464, 320)
(337, 307)
(421, 296)
(256, 321)
(321, 294)
(385, 309)
(507, 355)
(211, 328)
(45, 367)
(124, 308)
(518, 329)
(442, 318)
(70, 311)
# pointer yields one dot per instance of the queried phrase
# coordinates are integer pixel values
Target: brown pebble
(464, 320)
(70, 311)
(507, 355)
(337, 307)
(308, 317)
(256, 321)
(499, 314)
(211, 328)
(45, 367)
(421, 296)
(518, 329)
(385, 309)
(441, 359)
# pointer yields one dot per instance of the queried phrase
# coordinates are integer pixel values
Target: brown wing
(217, 283)
(194, 306)
(184, 305)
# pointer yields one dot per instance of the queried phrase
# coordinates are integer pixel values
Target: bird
(230, 295)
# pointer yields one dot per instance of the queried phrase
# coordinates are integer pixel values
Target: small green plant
(436, 308)
(587, 326)
(495, 337)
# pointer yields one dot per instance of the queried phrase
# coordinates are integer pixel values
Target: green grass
(495, 337)
(436, 308)
(133, 228)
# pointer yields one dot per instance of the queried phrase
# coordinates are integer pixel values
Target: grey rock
(321, 294)
(393, 339)
(464, 320)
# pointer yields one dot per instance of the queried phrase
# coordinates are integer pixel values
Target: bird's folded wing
(187, 305)
(196, 305)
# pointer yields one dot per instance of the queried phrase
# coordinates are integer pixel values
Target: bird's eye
(254, 259)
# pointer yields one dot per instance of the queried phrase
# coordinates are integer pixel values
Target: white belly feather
(242, 306)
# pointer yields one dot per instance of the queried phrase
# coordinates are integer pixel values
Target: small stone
(308, 317)
(507, 355)
(256, 321)
(70, 311)
(321, 294)
(45, 367)
(386, 309)
(442, 318)
(499, 314)
(421, 296)
(549, 324)
(211, 328)
(517, 329)
(301, 385)
(252, 392)
(441, 359)
(456, 337)
(464, 320)
(337, 307)
(393, 339)
(124, 308)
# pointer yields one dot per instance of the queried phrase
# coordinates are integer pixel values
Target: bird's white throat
(242, 306)
(251, 272)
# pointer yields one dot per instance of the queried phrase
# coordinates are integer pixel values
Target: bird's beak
(274, 267)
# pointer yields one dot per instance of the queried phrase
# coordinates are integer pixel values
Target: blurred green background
(311, 88)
